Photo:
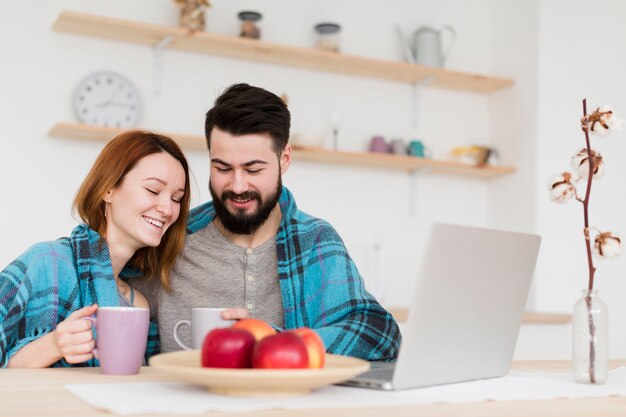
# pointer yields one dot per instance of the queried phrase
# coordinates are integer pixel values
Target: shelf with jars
(300, 153)
(273, 53)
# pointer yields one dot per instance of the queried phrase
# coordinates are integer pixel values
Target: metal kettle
(427, 45)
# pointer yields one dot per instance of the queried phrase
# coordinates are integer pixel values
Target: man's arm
(327, 294)
(370, 334)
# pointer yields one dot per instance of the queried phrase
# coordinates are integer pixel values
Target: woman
(134, 204)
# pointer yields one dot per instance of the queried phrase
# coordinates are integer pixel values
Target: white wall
(368, 206)
(581, 55)
(513, 116)
(559, 53)
(534, 124)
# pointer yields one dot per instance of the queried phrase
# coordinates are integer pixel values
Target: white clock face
(107, 99)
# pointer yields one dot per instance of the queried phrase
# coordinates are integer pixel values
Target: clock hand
(117, 104)
(110, 101)
(119, 87)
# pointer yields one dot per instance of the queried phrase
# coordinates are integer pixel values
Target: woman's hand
(74, 337)
(72, 340)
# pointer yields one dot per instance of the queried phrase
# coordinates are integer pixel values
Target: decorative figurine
(192, 13)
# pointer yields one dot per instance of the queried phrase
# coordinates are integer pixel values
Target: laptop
(466, 310)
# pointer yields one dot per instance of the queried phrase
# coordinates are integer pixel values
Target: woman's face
(146, 203)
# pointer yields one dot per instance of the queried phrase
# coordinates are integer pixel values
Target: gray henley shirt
(211, 271)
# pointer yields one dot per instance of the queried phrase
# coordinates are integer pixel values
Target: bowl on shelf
(475, 155)
(307, 140)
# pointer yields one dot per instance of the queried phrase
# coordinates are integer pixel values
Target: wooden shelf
(256, 50)
(399, 162)
(387, 161)
(99, 134)
(402, 314)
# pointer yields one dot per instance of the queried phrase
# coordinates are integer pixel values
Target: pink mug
(121, 338)
(378, 144)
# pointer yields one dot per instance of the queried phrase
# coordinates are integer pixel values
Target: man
(251, 249)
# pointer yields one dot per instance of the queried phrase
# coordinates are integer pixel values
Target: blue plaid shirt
(51, 280)
(321, 286)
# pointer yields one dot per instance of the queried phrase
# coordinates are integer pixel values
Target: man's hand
(73, 336)
(235, 313)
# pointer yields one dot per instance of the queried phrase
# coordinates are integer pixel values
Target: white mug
(203, 320)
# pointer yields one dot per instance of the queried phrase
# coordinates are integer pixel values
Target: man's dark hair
(243, 109)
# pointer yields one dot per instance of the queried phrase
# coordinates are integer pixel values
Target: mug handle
(176, 338)
(94, 322)
(446, 52)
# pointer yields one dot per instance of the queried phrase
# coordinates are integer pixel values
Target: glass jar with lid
(327, 36)
(249, 24)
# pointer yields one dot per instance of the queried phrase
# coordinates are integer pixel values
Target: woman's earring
(106, 210)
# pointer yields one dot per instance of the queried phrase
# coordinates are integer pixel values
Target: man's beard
(241, 223)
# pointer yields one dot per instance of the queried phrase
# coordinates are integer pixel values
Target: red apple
(280, 351)
(314, 345)
(258, 328)
(227, 348)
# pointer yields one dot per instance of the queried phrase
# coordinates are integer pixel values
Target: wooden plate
(186, 366)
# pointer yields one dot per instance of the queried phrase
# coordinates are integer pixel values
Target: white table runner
(179, 397)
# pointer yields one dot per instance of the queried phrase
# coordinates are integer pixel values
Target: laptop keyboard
(380, 370)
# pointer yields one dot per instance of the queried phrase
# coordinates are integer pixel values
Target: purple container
(121, 338)
(378, 144)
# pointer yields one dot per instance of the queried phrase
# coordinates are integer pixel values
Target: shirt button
(250, 278)
(249, 251)
(249, 306)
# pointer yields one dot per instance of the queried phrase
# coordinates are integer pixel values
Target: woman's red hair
(117, 158)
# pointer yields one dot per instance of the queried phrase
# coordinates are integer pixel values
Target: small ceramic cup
(398, 147)
(418, 149)
(378, 144)
(203, 320)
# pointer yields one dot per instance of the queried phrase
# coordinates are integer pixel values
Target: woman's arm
(39, 353)
(72, 340)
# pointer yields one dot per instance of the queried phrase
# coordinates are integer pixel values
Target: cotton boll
(600, 130)
(607, 245)
(561, 188)
(562, 193)
(580, 164)
(603, 121)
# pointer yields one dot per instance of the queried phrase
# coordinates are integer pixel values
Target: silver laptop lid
(467, 306)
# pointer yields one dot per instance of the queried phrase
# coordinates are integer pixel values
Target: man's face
(245, 179)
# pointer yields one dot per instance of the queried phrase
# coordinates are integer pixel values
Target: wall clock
(105, 98)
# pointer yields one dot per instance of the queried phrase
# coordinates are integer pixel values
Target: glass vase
(590, 339)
